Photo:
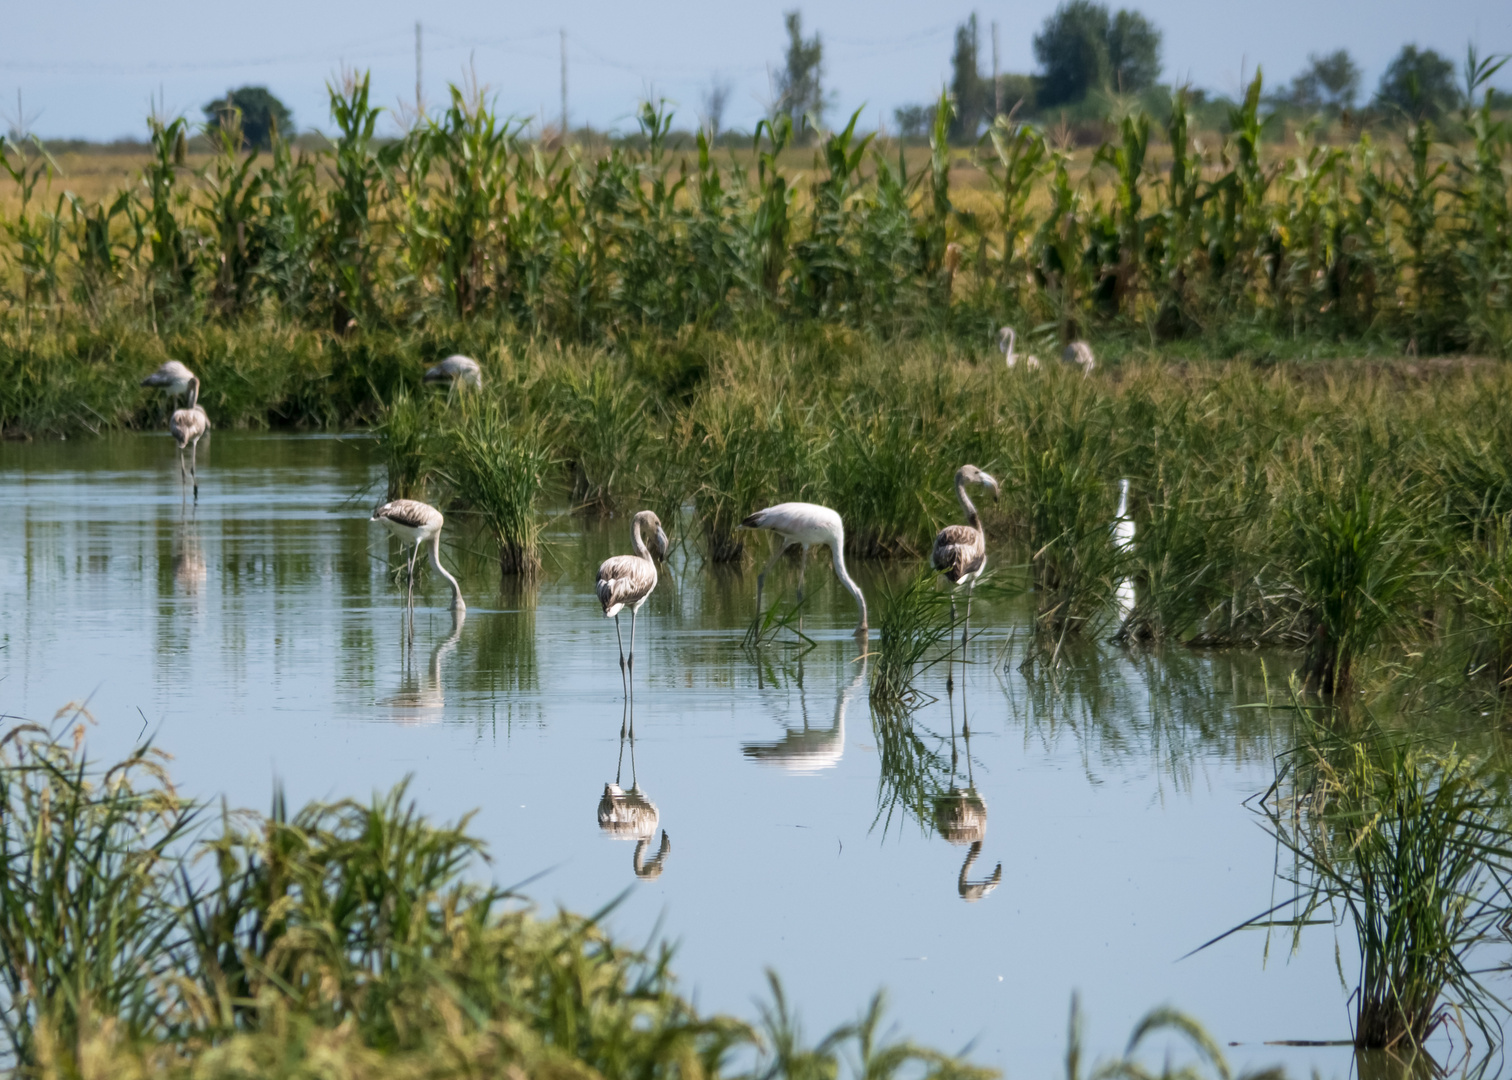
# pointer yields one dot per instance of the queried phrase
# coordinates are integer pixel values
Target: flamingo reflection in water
(421, 698)
(631, 815)
(807, 749)
(961, 814)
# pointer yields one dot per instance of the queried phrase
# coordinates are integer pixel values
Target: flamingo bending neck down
(415, 522)
(1079, 354)
(456, 370)
(806, 525)
(628, 580)
(960, 551)
(1007, 339)
(187, 426)
(172, 377)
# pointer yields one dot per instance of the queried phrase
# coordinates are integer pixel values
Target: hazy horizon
(91, 70)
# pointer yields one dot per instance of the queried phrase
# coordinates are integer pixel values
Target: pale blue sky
(90, 68)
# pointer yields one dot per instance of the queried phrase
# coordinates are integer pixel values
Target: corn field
(1406, 241)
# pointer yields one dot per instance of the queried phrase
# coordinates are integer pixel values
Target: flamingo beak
(659, 546)
(992, 486)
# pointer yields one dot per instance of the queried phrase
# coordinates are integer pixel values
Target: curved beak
(659, 546)
(992, 486)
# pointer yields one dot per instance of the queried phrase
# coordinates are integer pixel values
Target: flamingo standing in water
(187, 426)
(415, 522)
(456, 370)
(627, 581)
(960, 551)
(1006, 341)
(806, 525)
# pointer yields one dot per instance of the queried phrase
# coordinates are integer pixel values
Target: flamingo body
(458, 370)
(187, 426)
(171, 377)
(415, 522)
(628, 580)
(807, 525)
(1079, 354)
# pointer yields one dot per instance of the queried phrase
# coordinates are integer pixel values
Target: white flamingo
(627, 581)
(171, 377)
(1007, 338)
(415, 522)
(1079, 354)
(456, 370)
(960, 551)
(806, 525)
(187, 426)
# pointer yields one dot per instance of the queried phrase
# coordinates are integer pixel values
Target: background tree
(1328, 84)
(1133, 52)
(716, 98)
(800, 90)
(1419, 83)
(914, 121)
(973, 94)
(262, 114)
(1072, 49)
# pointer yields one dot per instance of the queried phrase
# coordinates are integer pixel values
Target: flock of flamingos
(627, 581)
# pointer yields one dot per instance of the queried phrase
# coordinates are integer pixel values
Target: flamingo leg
(802, 564)
(193, 471)
(183, 475)
(761, 577)
(632, 648)
(950, 657)
(965, 627)
(618, 637)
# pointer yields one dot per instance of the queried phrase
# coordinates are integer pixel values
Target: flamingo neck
(193, 392)
(838, 558)
(637, 544)
(1012, 341)
(972, 518)
(1123, 499)
(458, 604)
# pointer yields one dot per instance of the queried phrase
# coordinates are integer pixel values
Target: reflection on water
(809, 749)
(421, 695)
(1115, 781)
(631, 815)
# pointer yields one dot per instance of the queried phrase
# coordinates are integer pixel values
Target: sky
(94, 69)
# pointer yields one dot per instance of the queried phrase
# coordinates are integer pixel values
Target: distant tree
(914, 121)
(800, 90)
(1133, 52)
(1328, 84)
(972, 93)
(1018, 93)
(262, 115)
(715, 99)
(1420, 83)
(1082, 47)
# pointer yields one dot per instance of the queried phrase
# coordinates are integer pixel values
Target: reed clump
(498, 466)
(914, 628)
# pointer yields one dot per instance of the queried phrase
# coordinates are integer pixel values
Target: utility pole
(997, 82)
(419, 101)
(564, 86)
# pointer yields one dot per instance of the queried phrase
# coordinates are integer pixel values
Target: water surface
(260, 637)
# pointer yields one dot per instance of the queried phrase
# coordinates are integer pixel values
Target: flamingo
(960, 551)
(1006, 341)
(187, 426)
(415, 522)
(1079, 354)
(627, 580)
(1123, 543)
(456, 370)
(806, 525)
(171, 377)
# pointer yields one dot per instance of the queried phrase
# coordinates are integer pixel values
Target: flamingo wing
(624, 579)
(958, 550)
(188, 425)
(410, 513)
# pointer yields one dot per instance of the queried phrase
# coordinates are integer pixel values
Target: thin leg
(802, 563)
(183, 475)
(965, 627)
(632, 651)
(950, 656)
(620, 638)
(761, 577)
(194, 472)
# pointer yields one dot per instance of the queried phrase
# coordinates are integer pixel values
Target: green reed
(914, 631)
(498, 467)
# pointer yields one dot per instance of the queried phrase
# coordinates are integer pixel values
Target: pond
(258, 637)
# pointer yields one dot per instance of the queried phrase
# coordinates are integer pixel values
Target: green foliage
(498, 465)
(1082, 48)
(800, 86)
(1418, 83)
(256, 116)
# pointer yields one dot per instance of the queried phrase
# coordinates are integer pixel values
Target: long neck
(1012, 341)
(966, 504)
(435, 556)
(637, 544)
(193, 393)
(1123, 499)
(845, 579)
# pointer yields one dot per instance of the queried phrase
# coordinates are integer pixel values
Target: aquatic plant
(498, 466)
(914, 629)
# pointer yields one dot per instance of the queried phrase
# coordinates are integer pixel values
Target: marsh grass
(1414, 846)
(914, 632)
(498, 467)
(771, 626)
(406, 445)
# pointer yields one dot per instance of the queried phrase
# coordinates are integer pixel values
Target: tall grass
(498, 467)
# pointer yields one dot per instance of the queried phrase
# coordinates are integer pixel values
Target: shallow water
(259, 637)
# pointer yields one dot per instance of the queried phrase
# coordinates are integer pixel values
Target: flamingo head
(970, 474)
(656, 538)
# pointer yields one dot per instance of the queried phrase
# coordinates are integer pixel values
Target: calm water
(260, 638)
